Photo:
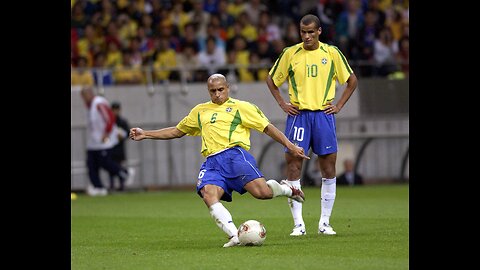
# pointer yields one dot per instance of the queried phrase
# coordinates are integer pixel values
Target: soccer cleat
(326, 229)
(232, 242)
(297, 194)
(298, 230)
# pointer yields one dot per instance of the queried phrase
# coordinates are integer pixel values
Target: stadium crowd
(119, 41)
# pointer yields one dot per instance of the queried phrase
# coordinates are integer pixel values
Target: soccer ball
(251, 233)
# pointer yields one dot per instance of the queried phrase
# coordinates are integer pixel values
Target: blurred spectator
(146, 45)
(265, 52)
(127, 72)
(112, 35)
(212, 31)
(292, 35)
(278, 46)
(380, 16)
(236, 7)
(78, 18)
(397, 24)
(348, 24)
(80, 74)
(257, 71)
(285, 11)
(86, 45)
(366, 40)
(242, 59)
(199, 18)
(230, 70)
(232, 33)
(216, 22)
(384, 53)
(349, 176)
(210, 6)
(248, 30)
(170, 33)
(212, 58)
(178, 17)
(326, 11)
(101, 137)
(147, 25)
(118, 152)
(267, 29)
(190, 38)
(164, 61)
(189, 64)
(102, 75)
(255, 8)
(127, 29)
(114, 55)
(136, 59)
(109, 12)
(403, 55)
(226, 19)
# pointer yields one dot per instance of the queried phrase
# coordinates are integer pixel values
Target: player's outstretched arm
(138, 134)
(278, 136)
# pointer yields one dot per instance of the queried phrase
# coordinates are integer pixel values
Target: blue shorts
(231, 170)
(312, 129)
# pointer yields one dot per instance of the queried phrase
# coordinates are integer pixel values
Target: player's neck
(314, 47)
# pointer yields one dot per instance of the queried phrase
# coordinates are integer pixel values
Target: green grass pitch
(174, 230)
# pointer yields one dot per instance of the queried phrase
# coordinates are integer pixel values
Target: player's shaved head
(87, 94)
(216, 76)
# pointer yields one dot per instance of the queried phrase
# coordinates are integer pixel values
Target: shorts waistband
(223, 150)
(307, 110)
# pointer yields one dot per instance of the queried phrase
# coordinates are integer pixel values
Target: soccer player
(312, 69)
(224, 124)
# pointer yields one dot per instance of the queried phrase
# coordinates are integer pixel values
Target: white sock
(277, 189)
(296, 207)
(223, 219)
(327, 198)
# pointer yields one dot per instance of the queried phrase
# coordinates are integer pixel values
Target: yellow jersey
(311, 74)
(223, 126)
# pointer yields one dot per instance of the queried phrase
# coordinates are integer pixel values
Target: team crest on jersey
(229, 109)
(324, 61)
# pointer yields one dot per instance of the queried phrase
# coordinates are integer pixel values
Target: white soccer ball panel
(251, 233)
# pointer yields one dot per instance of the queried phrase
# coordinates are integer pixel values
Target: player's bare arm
(278, 136)
(352, 83)
(286, 106)
(138, 134)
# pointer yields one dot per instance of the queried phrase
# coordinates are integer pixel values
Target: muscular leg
(294, 167)
(211, 197)
(327, 165)
(259, 189)
(267, 190)
(294, 170)
(329, 186)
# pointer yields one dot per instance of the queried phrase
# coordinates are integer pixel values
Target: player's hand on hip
(289, 108)
(331, 108)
